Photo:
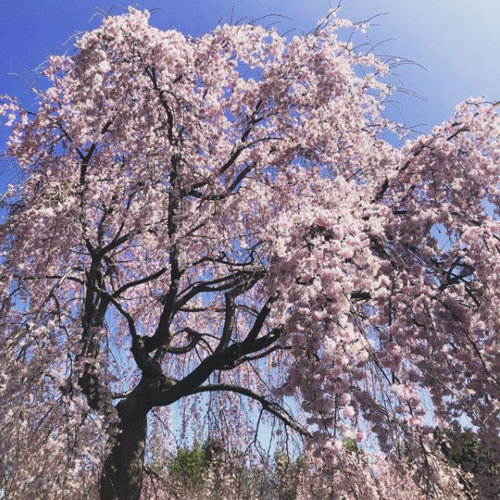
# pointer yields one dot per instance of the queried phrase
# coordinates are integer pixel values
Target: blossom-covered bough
(212, 232)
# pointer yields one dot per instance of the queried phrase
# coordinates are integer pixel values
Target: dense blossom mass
(212, 238)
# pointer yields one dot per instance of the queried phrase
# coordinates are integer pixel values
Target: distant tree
(203, 472)
(465, 450)
(188, 468)
(286, 476)
(216, 228)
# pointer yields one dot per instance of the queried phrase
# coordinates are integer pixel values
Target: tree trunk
(123, 468)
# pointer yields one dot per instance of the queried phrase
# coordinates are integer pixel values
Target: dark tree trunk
(123, 468)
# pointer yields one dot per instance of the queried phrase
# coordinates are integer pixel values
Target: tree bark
(124, 467)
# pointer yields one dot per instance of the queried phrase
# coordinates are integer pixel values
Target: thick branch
(223, 360)
(140, 281)
(228, 324)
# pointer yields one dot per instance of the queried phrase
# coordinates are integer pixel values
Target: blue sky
(455, 40)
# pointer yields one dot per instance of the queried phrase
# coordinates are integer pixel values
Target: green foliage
(188, 467)
(464, 451)
(350, 445)
(279, 479)
(286, 476)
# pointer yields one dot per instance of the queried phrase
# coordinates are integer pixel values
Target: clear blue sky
(457, 41)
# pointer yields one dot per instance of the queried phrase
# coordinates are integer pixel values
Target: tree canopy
(212, 236)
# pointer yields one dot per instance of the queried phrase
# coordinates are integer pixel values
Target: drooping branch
(270, 406)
